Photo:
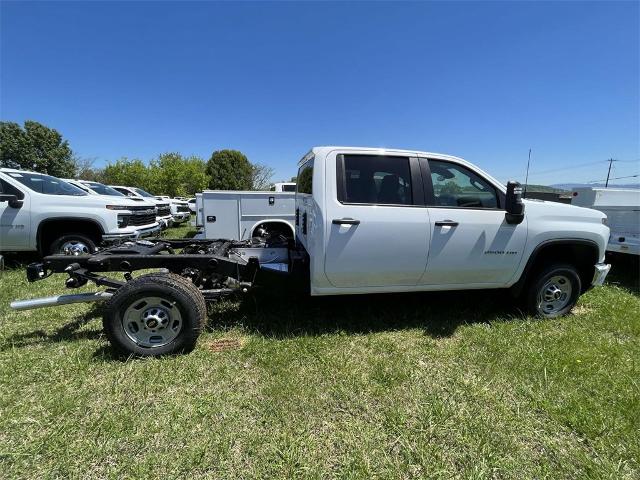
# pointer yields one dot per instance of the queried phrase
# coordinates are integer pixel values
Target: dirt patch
(224, 344)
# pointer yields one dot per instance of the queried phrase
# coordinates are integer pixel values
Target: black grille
(183, 208)
(138, 208)
(163, 211)
(137, 220)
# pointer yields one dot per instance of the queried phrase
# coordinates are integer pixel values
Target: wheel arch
(66, 225)
(277, 221)
(580, 252)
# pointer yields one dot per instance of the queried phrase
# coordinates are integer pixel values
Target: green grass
(388, 386)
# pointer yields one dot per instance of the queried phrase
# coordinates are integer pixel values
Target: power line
(614, 178)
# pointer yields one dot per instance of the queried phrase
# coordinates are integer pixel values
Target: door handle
(446, 223)
(345, 221)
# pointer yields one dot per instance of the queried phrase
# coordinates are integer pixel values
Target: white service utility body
(367, 220)
(622, 207)
(241, 215)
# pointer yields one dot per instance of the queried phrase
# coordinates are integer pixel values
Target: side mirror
(514, 205)
(14, 202)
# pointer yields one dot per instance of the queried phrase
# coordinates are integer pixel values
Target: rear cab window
(305, 178)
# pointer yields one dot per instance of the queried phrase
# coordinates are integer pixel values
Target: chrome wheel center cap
(155, 317)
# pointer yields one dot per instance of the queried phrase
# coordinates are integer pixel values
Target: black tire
(84, 244)
(176, 292)
(543, 286)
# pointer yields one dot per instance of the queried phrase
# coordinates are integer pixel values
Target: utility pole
(608, 173)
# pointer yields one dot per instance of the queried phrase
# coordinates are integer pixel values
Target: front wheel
(72, 244)
(553, 291)
(156, 314)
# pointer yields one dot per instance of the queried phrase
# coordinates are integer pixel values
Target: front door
(471, 243)
(15, 223)
(377, 225)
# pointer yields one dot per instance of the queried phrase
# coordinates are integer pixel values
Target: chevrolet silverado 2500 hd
(43, 213)
(367, 221)
(163, 214)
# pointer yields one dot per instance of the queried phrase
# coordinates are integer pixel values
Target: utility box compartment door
(221, 217)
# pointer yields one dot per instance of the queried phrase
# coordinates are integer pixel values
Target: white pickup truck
(45, 214)
(180, 211)
(367, 221)
(163, 209)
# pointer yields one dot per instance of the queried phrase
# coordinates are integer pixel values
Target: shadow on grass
(625, 271)
(68, 332)
(439, 314)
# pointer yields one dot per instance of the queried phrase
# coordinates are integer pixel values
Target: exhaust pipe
(60, 300)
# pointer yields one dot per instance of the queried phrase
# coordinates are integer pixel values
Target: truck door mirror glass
(513, 203)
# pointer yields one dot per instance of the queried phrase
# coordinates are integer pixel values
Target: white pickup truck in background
(180, 211)
(46, 214)
(163, 209)
(239, 215)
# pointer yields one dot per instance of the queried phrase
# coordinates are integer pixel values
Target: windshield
(142, 193)
(102, 189)
(289, 188)
(46, 184)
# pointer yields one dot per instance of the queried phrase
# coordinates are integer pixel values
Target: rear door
(471, 242)
(378, 227)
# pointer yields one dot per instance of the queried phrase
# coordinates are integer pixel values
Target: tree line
(39, 148)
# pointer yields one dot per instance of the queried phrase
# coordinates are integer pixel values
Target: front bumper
(142, 233)
(181, 217)
(600, 274)
(165, 222)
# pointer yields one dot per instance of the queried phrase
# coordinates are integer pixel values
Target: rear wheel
(553, 291)
(155, 314)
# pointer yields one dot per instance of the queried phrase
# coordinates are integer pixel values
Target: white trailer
(622, 207)
(241, 215)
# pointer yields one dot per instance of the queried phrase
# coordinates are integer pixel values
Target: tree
(86, 171)
(35, 147)
(131, 173)
(174, 175)
(229, 170)
(261, 177)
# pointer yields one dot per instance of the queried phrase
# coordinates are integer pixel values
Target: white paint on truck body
(235, 215)
(622, 208)
(435, 231)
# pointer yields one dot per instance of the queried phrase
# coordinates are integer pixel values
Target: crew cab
(45, 214)
(163, 213)
(367, 221)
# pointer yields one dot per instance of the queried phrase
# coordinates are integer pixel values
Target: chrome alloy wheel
(554, 295)
(152, 322)
(75, 247)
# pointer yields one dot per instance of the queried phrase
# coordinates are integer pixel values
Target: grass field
(397, 386)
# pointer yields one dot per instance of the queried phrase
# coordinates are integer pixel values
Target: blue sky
(482, 80)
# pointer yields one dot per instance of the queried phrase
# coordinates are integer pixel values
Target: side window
(457, 186)
(376, 179)
(305, 178)
(8, 189)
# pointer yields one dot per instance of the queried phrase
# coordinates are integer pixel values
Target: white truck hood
(557, 211)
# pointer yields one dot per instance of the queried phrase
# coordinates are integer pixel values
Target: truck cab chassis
(366, 221)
